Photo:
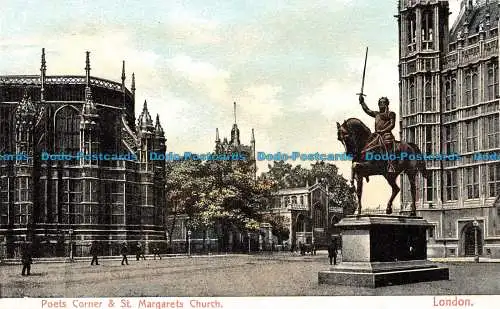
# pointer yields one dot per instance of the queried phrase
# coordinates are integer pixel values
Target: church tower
(423, 39)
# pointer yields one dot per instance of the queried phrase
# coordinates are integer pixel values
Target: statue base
(381, 250)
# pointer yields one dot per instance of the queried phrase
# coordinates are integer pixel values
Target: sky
(293, 66)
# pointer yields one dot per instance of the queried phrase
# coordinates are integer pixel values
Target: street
(231, 275)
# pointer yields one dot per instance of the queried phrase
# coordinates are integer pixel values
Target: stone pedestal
(380, 250)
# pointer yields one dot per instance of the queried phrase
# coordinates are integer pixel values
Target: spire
(145, 122)
(235, 132)
(234, 105)
(133, 84)
(123, 74)
(89, 107)
(87, 68)
(26, 109)
(217, 139)
(43, 71)
(43, 68)
(252, 140)
(158, 129)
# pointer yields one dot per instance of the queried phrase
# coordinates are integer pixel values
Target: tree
(184, 188)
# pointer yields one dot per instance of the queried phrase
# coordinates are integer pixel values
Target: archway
(469, 240)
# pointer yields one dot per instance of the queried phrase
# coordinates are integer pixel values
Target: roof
(475, 17)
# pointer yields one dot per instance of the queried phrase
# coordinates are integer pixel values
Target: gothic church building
(61, 206)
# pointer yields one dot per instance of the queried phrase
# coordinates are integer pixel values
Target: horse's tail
(421, 166)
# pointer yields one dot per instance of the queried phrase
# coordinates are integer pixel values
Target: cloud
(203, 74)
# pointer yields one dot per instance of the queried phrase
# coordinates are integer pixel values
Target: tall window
(492, 136)
(429, 188)
(493, 180)
(411, 135)
(412, 37)
(427, 30)
(468, 89)
(319, 216)
(451, 186)
(68, 131)
(428, 95)
(471, 87)
(471, 136)
(412, 97)
(492, 81)
(447, 95)
(451, 138)
(453, 93)
(472, 184)
(475, 88)
(428, 139)
(294, 200)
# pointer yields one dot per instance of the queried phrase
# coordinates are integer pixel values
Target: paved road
(279, 275)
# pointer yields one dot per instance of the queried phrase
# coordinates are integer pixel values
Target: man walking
(124, 252)
(26, 259)
(94, 251)
(332, 252)
(139, 252)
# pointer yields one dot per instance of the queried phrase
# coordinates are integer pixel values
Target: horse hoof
(388, 211)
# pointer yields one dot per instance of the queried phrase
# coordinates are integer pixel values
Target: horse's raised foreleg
(391, 179)
(359, 192)
(413, 191)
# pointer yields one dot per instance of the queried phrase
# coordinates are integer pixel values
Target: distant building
(449, 103)
(309, 213)
(62, 206)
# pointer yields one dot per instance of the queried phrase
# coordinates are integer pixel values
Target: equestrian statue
(364, 146)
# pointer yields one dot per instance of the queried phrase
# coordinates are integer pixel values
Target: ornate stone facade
(449, 96)
(61, 206)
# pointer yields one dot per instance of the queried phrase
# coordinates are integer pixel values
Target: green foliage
(217, 192)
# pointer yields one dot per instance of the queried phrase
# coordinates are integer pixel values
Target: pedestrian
(332, 252)
(124, 252)
(26, 259)
(156, 252)
(94, 251)
(139, 252)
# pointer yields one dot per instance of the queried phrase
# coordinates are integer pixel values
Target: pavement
(279, 274)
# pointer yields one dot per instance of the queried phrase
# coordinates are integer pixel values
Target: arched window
(294, 200)
(67, 123)
(287, 201)
(301, 200)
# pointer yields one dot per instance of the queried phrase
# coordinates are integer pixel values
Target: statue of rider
(381, 141)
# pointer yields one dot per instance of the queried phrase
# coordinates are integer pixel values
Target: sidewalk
(469, 259)
(114, 258)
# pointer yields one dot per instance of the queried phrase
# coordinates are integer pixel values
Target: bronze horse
(353, 134)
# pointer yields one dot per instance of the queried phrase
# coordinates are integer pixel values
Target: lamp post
(249, 248)
(189, 242)
(70, 232)
(166, 240)
(476, 243)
